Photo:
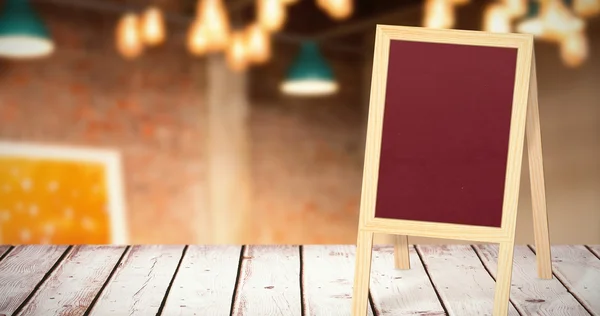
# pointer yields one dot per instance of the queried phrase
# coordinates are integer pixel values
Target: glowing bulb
(197, 39)
(574, 49)
(438, 14)
(338, 9)
(496, 19)
(586, 8)
(153, 26)
(271, 14)
(236, 53)
(129, 42)
(516, 8)
(559, 22)
(533, 26)
(213, 15)
(258, 44)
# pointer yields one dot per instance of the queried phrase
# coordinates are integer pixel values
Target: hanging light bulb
(236, 53)
(129, 42)
(338, 9)
(559, 22)
(586, 8)
(153, 26)
(574, 49)
(271, 14)
(197, 39)
(516, 8)
(438, 14)
(213, 15)
(258, 44)
(496, 19)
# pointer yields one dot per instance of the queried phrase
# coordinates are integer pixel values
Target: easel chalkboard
(448, 114)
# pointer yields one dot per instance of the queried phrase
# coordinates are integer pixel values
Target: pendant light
(22, 33)
(309, 75)
(586, 8)
(236, 52)
(197, 39)
(258, 44)
(129, 41)
(213, 14)
(153, 26)
(438, 14)
(496, 19)
(271, 14)
(574, 49)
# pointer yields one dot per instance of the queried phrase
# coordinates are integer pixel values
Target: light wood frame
(525, 116)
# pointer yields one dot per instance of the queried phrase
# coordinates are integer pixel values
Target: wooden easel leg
(503, 278)
(401, 254)
(362, 273)
(536, 175)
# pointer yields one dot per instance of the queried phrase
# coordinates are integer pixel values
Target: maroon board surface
(446, 126)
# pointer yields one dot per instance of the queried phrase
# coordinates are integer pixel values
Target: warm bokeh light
(197, 39)
(586, 8)
(213, 14)
(496, 19)
(258, 44)
(515, 8)
(129, 41)
(236, 53)
(338, 9)
(289, 2)
(50, 201)
(459, 2)
(534, 26)
(574, 49)
(271, 14)
(438, 14)
(559, 21)
(153, 26)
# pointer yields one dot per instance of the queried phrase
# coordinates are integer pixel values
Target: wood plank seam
(437, 293)
(371, 304)
(592, 251)
(567, 287)
(107, 281)
(492, 275)
(300, 275)
(43, 280)
(3, 255)
(237, 279)
(166, 296)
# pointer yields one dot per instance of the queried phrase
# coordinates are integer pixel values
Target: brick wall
(150, 110)
(307, 154)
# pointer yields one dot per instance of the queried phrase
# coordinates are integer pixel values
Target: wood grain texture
(401, 252)
(579, 270)
(362, 272)
(205, 282)
(269, 282)
(327, 277)
(536, 178)
(22, 270)
(407, 292)
(530, 294)
(463, 283)
(140, 281)
(74, 284)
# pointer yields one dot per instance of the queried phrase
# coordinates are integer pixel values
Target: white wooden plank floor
(286, 280)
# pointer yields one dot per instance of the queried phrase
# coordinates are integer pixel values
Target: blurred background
(244, 121)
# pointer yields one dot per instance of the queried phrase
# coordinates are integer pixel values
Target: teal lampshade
(309, 74)
(22, 33)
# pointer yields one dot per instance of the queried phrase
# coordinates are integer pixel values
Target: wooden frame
(110, 159)
(524, 113)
